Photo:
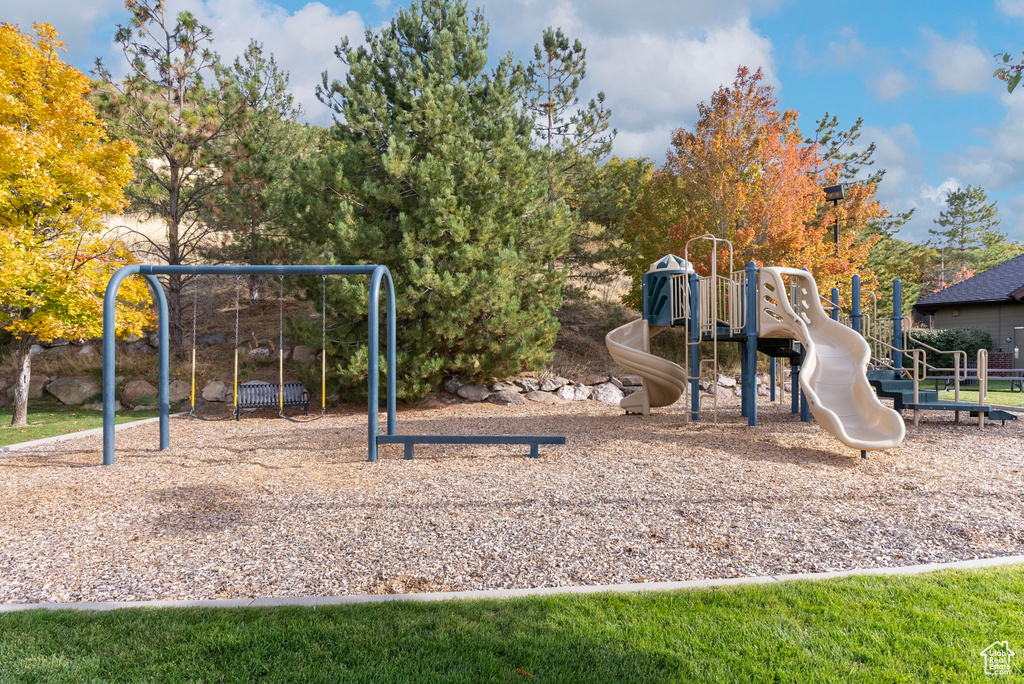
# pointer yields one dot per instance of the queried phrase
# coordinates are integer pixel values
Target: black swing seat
(265, 394)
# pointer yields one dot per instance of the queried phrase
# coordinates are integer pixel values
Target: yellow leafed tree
(59, 172)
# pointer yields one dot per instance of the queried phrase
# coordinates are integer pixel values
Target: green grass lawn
(51, 420)
(925, 628)
(994, 396)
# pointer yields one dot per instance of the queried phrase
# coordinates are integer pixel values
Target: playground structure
(378, 275)
(840, 364)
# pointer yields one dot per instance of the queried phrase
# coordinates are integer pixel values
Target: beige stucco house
(993, 301)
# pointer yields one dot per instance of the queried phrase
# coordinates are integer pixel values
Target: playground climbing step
(889, 384)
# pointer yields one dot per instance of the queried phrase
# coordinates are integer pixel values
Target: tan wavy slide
(834, 372)
(664, 381)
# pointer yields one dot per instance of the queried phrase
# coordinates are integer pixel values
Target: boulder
(431, 403)
(718, 391)
(179, 390)
(528, 384)
(594, 379)
(629, 380)
(138, 393)
(215, 390)
(507, 397)
(474, 392)
(303, 354)
(88, 351)
(764, 391)
(540, 397)
(631, 389)
(35, 349)
(73, 391)
(451, 384)
(98, 406)
(551, 384)
(209, 340)
(574, 392)
(726, 381)
(154, 340)
(607, 393)
(259, 353)
(35, 387)
(505, 387)
(139, 348)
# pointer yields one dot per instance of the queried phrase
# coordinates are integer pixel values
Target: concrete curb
(314, 601)
(82, 433)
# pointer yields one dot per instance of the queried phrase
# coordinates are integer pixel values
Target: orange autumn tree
(744, 173)
(59, 172)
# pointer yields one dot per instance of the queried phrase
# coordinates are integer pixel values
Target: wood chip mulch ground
(265, 507)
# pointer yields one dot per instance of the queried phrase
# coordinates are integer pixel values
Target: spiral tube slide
(834, 373)
(664, 381)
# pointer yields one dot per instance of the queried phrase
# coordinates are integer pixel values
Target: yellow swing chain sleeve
(193, 394)
(323, 379)
(236, 378)
(280, 379)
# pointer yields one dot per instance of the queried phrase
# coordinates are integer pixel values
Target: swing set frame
(378, 275)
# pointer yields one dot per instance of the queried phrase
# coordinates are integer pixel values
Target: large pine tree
(431, 172)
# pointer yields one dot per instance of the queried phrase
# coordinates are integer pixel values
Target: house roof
(1001, 283)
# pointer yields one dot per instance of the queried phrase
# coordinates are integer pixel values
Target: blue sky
(918, 73)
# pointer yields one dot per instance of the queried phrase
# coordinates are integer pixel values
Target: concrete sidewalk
(314, 601)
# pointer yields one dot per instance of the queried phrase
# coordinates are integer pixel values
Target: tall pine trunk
(23, 354)
(175, 331)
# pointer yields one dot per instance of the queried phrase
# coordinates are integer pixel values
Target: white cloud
(957, 66)
(847, 53)
(655, 60)
(936, 194)
(302, 41)
(1013, 8)
(654, 80)
(74, 20)
(890, 84)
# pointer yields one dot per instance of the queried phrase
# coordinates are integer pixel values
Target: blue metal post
(835, 303)
(392, 351)
(694, 347)
(855, 312)
(744, 397)
(794, 377)
(749, 379)
(164, 363)
(773, 369)
(897, 323)
(109, 350)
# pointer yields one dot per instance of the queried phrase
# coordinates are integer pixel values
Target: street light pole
(834, 194)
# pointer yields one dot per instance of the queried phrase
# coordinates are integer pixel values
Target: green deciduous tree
(432, 172)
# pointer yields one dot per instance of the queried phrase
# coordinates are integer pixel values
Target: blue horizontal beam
(411, 440)
(469, 439)
(245, 269)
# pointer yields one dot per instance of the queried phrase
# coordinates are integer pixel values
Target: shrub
(969, 340)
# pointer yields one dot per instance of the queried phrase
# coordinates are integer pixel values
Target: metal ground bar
(410, 440)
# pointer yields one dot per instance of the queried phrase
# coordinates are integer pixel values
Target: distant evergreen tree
(574, 138)
(431, 172)
(966, 228)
